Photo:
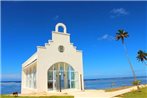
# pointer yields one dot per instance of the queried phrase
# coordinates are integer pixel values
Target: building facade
(56, 66)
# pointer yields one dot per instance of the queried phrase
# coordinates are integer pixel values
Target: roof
(30, 60)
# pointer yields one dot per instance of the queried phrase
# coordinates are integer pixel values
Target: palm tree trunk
(131, 66)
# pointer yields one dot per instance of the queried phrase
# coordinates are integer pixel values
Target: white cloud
(56, 17)
(118, 12)
(106, 37)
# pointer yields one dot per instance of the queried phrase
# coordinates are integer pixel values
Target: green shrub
(137, 82)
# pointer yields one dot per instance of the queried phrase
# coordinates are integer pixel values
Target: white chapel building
(56, 66)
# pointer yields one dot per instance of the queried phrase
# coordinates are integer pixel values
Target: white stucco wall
(49, 54)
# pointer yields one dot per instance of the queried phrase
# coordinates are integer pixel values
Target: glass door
(62, 80)
(50, 80)
(62, 75)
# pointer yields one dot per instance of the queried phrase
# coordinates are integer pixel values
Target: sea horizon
(123, 77)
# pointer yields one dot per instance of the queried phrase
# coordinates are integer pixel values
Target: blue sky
(92, 26)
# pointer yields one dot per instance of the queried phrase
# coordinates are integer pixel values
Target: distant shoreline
(92, 78)
(115, 78)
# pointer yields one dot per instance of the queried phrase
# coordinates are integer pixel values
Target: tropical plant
(121, 35)
(137, 83)
(142, 56)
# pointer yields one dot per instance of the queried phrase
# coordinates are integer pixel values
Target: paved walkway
(86, 93)
(102, 93)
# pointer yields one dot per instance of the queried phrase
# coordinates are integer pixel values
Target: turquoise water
(7, 87)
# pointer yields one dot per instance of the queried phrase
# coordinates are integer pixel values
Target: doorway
(62, 75)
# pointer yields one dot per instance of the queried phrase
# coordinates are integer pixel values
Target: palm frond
(120, 30)
(141, 56)
(118, 37)
(126, 34)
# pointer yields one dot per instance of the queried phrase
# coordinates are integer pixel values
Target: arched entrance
(62, 75)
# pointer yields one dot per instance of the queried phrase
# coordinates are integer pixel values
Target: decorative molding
(47, 44)
(61, 33)
(41, 47)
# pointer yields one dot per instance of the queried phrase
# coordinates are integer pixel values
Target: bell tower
(60, 37)
(61, 25)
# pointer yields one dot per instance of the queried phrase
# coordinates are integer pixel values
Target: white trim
(32, 58)
(41, 47)
(61, 33)
(61, 25)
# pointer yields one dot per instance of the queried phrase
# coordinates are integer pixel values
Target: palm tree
(142, 56)
(121, 35)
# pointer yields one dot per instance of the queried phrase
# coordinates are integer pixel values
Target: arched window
(68, 78)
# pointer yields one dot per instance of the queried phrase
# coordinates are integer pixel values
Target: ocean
(7, 87)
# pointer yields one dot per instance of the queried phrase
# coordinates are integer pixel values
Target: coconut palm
(142, 56)
(121, 35)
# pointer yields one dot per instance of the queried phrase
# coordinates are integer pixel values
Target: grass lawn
(136, 94)
(6, 96)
